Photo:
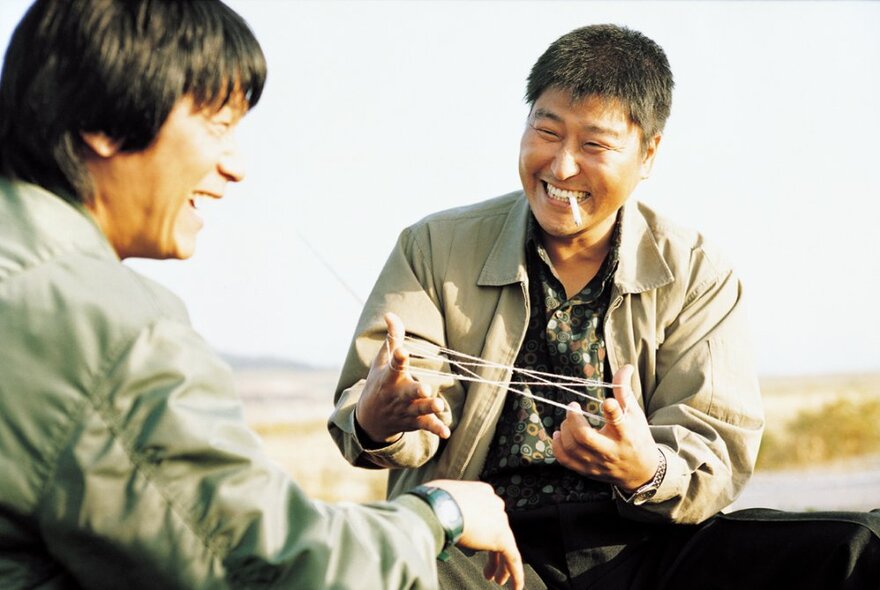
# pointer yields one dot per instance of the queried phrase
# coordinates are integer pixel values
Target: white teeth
(563, 195)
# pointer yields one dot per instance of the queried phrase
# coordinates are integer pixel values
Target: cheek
(616, 177)
(534, 158)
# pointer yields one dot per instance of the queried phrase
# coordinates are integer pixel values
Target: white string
(483, 363)
(330, 269)
(420, 349)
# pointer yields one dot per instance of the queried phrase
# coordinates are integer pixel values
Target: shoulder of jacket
(683, 249)
(497, 207)
(459, 227)
(92, 306)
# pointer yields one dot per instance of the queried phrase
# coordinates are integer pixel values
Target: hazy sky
(378, 113)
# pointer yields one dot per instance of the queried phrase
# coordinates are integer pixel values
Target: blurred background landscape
(821, 448)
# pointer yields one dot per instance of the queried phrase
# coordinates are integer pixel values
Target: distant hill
(245, 363)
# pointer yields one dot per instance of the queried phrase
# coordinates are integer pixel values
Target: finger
(576, 431)
(399, 361)
(613, 412)
(421, 407)
(495, 568)
(432, 423)
(514, 565)
(491, 564)
(575, 417)
(502, 574)
(563, 456)
(576, 443)
(396, 330)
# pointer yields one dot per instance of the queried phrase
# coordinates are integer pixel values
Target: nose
(232, 163)
(564, 164)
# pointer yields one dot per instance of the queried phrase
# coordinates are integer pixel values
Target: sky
(376, 114)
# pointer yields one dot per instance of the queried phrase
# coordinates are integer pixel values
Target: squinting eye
(546, 132)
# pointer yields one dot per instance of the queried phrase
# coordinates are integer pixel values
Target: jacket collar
(48, 223)
(640, 268)
(506, 263)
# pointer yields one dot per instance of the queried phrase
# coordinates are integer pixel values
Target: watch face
(447, 512)
(644, 496)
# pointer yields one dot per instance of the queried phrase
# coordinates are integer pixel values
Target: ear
(102, 144)
(650, 152)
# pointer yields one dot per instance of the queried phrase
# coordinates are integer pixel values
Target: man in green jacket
(125, 461)
(588, 358)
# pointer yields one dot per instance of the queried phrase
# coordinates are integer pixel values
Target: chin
(183, 247)
(183, 253)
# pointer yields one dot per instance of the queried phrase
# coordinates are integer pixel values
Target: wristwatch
(647, 491)
(447, 512)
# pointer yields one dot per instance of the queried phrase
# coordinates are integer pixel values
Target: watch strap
(648, 490)
(446, 510)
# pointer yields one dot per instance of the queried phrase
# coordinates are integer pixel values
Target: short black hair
(117, 67)
(611, 62)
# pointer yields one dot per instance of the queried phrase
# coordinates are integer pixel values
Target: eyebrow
(541, 113)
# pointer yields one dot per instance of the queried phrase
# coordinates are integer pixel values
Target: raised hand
(622, 452)
(392, 401)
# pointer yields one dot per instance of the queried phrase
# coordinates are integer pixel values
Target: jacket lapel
(506, 263)
(641, 266)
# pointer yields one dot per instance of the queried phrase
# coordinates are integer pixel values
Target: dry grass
(306, 451)
(289, 410)
(819, 420)
(810, 421)
(839, 430)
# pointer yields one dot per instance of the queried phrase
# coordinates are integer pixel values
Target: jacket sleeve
(160, 484)
(705, 409)
(405, 286)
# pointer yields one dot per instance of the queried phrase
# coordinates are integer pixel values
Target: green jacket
(124, 458)
(458, 279)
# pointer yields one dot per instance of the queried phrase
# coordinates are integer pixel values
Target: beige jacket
(458, 279)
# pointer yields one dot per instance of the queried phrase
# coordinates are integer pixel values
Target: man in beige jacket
(569, 278)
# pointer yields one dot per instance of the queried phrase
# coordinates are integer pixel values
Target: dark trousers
(575, 547)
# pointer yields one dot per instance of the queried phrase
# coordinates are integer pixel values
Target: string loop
(468, 368)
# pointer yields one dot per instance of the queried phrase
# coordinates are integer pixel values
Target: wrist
(367, 440)
(447, 511)
(645, 492)
(647, 476)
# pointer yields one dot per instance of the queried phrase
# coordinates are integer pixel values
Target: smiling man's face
(589, 150)
(145, 201)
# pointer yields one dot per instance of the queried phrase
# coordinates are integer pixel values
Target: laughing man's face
(588, 150)
(145, 201)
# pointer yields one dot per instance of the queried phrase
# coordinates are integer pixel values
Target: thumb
(396, 331)
(623, 392)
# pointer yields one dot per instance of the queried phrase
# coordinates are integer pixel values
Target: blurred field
(821, 448)
(289, 410)
(820, 420)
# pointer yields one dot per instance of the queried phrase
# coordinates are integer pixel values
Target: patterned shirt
(564, 337)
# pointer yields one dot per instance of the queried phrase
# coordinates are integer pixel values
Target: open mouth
(194, 199)
(565, 196)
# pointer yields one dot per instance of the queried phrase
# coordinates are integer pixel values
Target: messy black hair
(611, 62)
(117, 67)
